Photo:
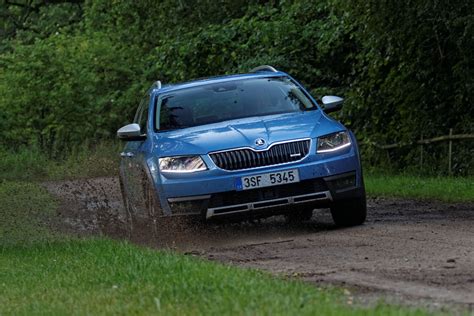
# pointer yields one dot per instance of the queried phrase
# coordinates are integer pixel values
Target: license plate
(267, 179)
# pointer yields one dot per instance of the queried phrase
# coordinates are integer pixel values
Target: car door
(132, 159)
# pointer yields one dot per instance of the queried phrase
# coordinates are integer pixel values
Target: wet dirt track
(408, 252)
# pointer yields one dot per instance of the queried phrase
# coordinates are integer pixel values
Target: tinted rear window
(219, 102)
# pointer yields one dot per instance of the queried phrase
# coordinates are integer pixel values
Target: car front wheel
(165, 231)
(142, 217)
(350, 212)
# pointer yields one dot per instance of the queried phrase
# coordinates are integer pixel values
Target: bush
(404, 67)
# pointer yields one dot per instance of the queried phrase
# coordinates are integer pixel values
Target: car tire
(166, 230)
(351, 212)
(300, 215)
(141, 219)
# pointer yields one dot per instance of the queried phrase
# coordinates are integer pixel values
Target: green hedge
(405, 67)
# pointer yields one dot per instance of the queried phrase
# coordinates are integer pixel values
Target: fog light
(344, 182)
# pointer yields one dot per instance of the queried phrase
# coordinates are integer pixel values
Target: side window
(141, 117)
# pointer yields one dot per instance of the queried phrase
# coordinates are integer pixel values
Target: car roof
(217, 79)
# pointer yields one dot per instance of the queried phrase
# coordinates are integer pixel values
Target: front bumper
(323, 179)
(320, 192)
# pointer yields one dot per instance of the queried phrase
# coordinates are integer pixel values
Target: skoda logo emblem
(259, 142)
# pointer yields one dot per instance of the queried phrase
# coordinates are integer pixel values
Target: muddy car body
(248, 145)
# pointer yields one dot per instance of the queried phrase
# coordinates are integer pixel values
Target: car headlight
(182, 164)
(333, 142)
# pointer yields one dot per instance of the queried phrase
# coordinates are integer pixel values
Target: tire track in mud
(408, 252)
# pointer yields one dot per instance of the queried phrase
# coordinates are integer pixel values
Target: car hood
(244, 132)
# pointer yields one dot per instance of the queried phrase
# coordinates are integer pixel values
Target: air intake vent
(247, 158)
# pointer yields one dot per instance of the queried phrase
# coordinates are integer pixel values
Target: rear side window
(219, 102)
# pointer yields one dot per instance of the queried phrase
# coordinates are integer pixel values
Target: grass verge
(448, 189)
(24, 210)
(44, 273)
(107, 277)
(28, 164)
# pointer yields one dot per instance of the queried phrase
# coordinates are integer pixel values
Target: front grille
(268, 193)
(247, 158)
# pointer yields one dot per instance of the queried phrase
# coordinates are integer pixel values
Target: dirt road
(408, 252)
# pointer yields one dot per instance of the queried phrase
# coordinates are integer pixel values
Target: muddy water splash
(90, 207)
(94, 207)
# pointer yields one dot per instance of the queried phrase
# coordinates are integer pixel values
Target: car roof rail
(156, 85)
(264, 68)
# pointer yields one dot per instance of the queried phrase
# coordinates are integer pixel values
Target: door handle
(124, 154)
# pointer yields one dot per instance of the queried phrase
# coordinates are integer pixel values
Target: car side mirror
(130, 132)
(332, 103)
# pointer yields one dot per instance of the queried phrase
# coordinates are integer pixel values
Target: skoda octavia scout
(240, 146)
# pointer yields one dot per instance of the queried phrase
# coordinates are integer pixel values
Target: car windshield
(219, 102)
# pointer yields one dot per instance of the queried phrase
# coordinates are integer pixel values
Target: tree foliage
(73, 71)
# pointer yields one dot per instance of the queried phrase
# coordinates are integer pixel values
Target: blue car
(239, 146)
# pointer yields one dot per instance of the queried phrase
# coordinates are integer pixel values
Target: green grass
(449, 189)
(98, 276)
(24, 210)
(28, 164)
(49, 274)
